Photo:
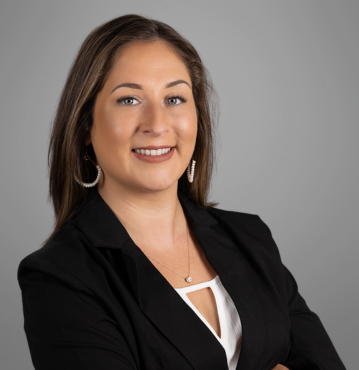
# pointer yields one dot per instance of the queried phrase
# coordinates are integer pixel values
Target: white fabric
(230, 323)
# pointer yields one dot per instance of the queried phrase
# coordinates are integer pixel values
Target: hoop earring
(190, 171)
(89, 185)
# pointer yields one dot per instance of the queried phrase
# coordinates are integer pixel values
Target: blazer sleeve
(310, 345)
(66, 327)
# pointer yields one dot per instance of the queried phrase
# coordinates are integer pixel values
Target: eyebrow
(139, 87)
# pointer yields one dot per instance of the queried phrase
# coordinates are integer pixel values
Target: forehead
(148, 61)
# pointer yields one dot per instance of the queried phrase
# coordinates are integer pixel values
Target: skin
(144, 195)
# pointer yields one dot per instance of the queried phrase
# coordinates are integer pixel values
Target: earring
(190, 171)
(89, 185)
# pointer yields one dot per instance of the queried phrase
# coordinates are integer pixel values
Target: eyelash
(180, 97)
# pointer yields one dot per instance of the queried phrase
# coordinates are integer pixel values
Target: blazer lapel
(170, 314)
(226, 256)
(162, 304)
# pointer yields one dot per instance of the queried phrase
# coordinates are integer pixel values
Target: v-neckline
(198, 286)
(206, 284)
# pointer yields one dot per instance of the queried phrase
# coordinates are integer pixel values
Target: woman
(141, 271)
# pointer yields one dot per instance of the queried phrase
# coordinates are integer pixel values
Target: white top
(230, 323)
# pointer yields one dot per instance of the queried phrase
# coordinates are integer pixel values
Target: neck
(154, 219)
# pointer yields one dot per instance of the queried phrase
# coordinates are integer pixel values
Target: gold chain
(171, 269)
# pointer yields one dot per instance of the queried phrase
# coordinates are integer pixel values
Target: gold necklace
(188, 279)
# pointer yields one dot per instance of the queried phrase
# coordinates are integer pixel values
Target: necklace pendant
(188, 279)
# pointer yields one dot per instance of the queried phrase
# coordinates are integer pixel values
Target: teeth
(153, 152)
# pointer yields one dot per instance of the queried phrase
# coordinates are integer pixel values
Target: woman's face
(146, 105)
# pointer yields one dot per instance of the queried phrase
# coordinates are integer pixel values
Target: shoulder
(249, 232)
(254, 240)
(251, 223)
(66, 239)
(65, 257)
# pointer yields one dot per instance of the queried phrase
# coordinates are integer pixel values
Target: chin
(157, 185)
(155, 181)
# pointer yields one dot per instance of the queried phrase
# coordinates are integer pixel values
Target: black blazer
(92, 300)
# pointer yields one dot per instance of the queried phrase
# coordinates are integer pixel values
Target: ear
(88, 140)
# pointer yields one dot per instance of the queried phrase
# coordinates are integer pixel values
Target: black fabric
(93, 300)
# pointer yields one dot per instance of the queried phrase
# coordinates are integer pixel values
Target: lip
(155, 158)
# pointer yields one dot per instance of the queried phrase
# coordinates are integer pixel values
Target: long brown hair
(74, 115)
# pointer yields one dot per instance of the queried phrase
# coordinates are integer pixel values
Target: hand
(280, 367)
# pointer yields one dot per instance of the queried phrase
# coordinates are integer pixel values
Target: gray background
(287, 76)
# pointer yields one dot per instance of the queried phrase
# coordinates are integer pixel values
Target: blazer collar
(103, 228)
(162, 304)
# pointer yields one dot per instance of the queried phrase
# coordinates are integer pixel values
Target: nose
(154, 120)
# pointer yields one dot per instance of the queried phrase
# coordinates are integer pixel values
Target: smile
(152, 152)
(151, 155)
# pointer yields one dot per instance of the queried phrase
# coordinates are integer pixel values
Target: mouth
(154, 154)
(153, 150)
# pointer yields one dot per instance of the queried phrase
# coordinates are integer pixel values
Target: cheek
(187, 128)
(109, 129)
(111, 137)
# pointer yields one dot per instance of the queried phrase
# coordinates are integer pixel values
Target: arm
(310, 345)
(66, 327)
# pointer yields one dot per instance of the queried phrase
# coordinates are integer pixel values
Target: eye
(128, 100)
(174, 100)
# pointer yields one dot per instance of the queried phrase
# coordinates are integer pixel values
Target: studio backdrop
(287, 79)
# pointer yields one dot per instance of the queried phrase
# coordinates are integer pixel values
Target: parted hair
(74, 115)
